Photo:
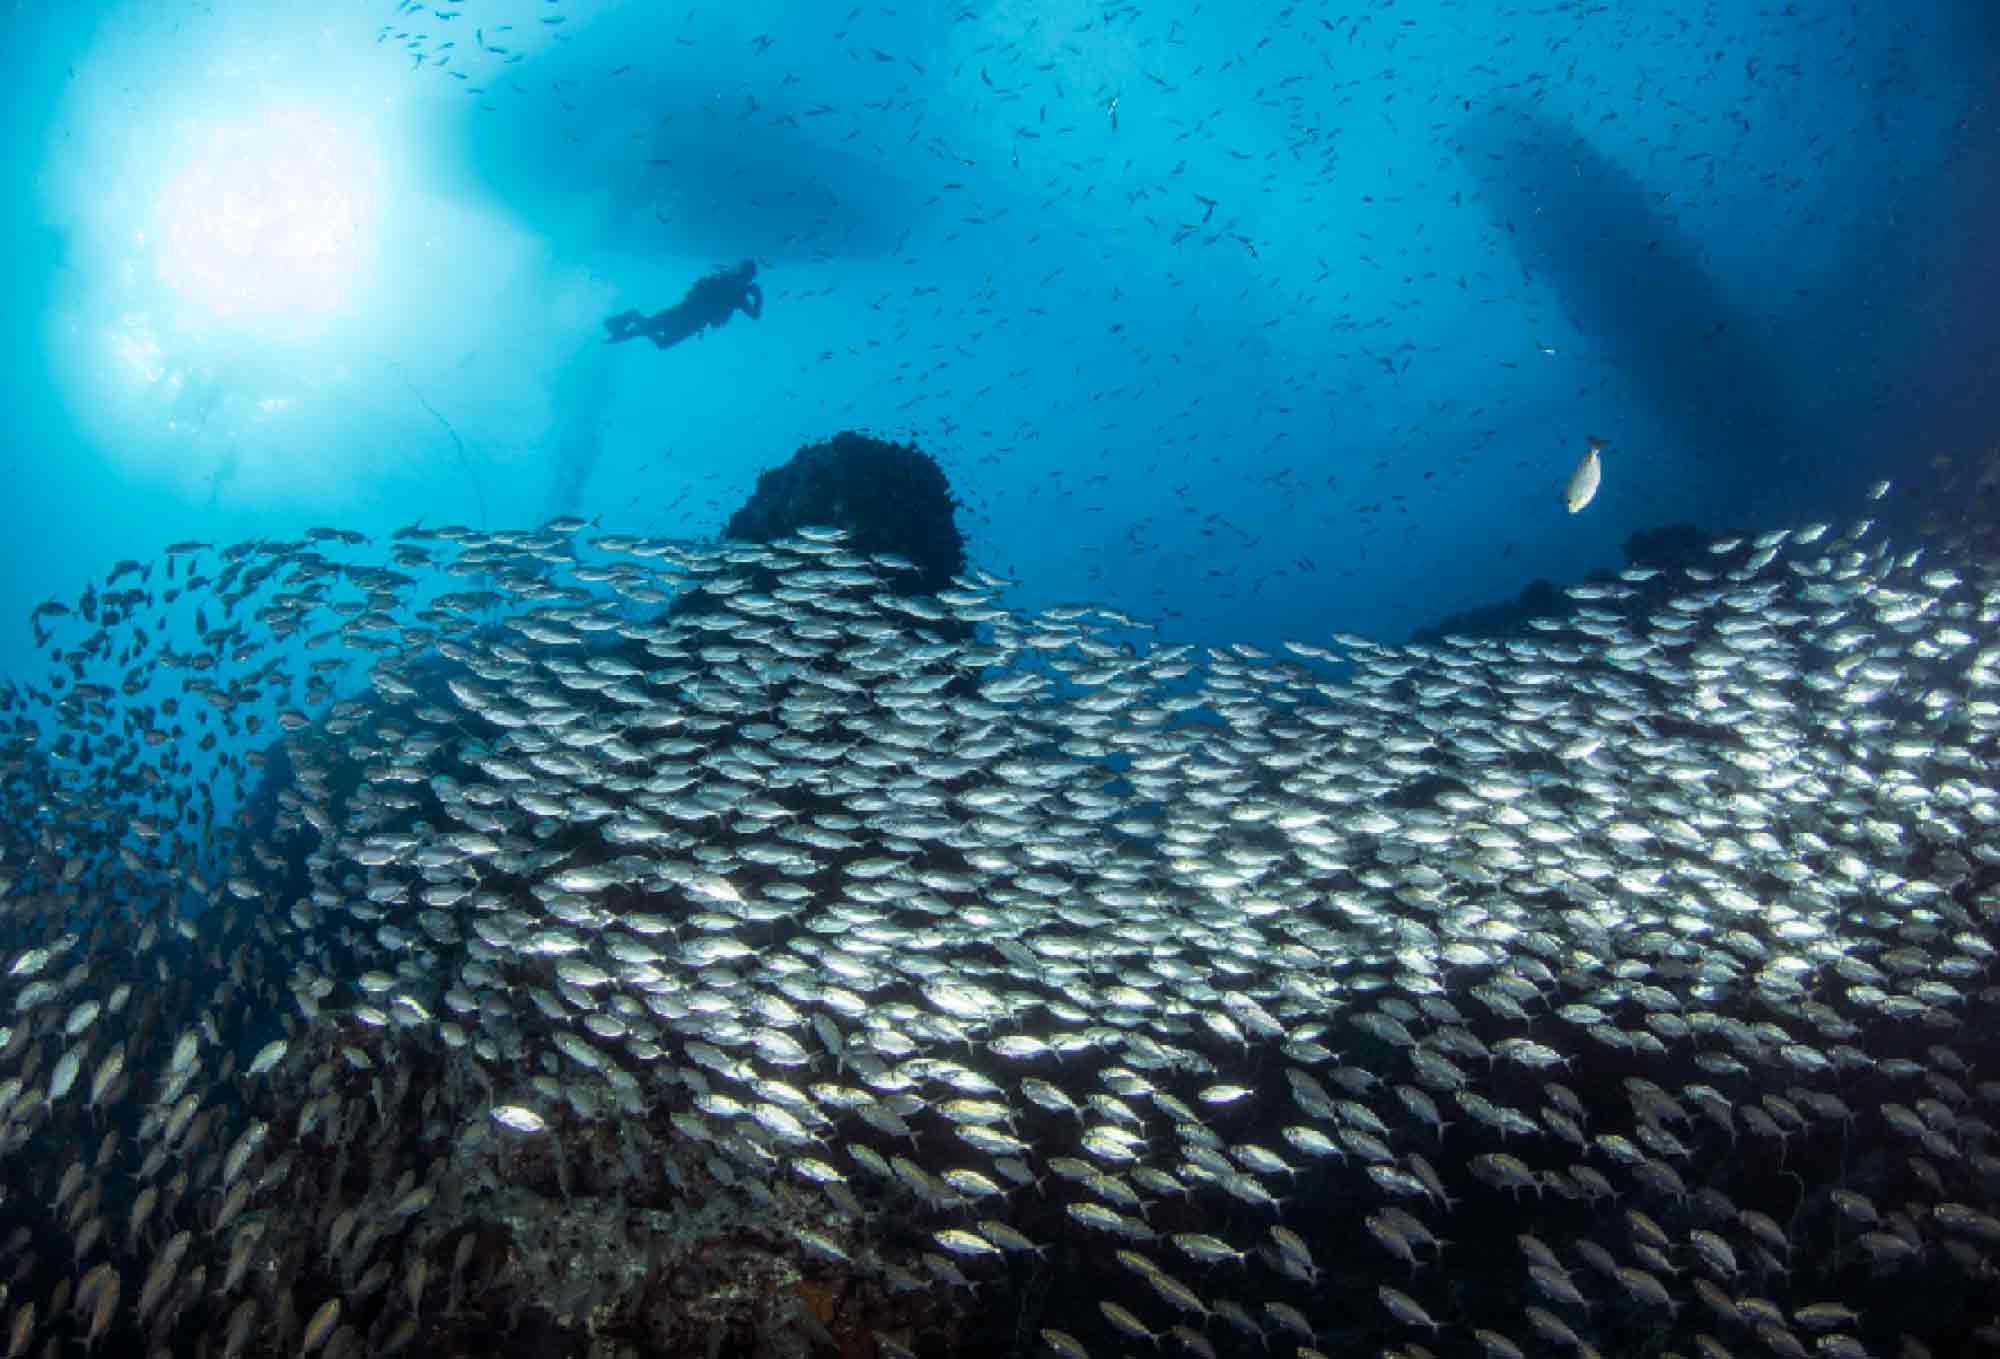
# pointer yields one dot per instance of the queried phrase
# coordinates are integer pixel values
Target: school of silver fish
(617, 903)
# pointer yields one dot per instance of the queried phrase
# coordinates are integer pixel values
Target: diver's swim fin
(621, 326)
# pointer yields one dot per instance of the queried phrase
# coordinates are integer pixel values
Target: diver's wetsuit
(709, 303)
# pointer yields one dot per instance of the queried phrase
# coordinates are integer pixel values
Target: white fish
(518, 1118)
(267, 1057)
(1582, 487)
(64, 1075)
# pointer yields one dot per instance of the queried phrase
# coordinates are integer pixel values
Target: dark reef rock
(1668, 549)
(890, 497)
(1537, 599)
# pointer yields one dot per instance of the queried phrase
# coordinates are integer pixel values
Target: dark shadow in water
(1949, 344)
(581, 392)
(1613, 254)
(690, 152)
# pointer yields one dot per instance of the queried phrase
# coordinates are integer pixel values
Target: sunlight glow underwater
(275, 218)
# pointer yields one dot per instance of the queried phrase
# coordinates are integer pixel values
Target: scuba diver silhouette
(709, 303)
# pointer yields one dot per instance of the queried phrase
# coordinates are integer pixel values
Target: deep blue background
(1305, 338)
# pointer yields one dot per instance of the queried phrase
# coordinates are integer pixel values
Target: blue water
(1257, 321)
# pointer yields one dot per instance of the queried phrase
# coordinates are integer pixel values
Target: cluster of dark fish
(628, 946)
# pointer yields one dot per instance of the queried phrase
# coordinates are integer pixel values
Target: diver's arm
(753, 301)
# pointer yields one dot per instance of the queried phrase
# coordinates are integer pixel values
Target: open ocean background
(1304, 335)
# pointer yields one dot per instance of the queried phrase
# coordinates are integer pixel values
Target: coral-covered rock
(890, 497)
